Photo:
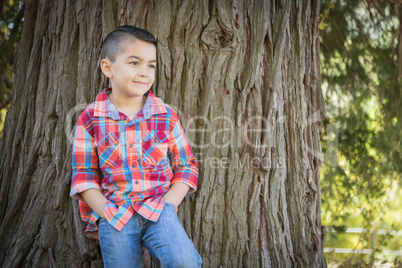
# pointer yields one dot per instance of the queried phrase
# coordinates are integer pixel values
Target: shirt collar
(104, 107)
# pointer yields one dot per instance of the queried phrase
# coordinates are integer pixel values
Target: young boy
(132, 163)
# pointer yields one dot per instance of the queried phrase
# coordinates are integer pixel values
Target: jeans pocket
(102, 220)
(169, 207)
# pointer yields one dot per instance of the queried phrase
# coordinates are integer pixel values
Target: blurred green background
(361, 45)
(362, 81)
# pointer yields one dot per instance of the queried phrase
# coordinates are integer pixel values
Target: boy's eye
(134, 62)
(152, 66)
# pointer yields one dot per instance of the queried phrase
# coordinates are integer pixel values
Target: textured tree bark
(244, 77)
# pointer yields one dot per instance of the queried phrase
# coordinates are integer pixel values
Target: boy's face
(133, 71)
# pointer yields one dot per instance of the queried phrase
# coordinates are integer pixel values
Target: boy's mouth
(141, 83)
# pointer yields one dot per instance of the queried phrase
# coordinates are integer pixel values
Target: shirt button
(133, 166)
(131, 146)
(136, 182)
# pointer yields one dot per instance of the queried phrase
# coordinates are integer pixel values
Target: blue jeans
(166, 239)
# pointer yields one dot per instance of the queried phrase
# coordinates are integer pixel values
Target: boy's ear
(105, 65)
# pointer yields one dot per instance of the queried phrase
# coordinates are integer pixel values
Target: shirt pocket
(154, 147)
(109, 149)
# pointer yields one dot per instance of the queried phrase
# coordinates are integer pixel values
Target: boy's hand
(96, 201)
(176, 193)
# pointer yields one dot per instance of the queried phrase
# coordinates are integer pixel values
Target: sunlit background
(361, 197)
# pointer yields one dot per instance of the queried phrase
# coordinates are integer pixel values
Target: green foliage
(360, 75)
(12, 17)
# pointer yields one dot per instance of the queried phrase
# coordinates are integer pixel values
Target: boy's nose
(143, 72)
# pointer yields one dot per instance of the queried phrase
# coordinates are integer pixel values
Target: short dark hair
(112, 45)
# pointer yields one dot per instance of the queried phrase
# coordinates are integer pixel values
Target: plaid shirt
(132, 162)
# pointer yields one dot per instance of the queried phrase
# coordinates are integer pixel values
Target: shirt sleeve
(85, 161)
(184, 164)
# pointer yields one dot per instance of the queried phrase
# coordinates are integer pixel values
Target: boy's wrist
(176, 193)
(170, 202)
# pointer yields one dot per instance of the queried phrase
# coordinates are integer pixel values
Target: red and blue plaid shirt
(132, 162)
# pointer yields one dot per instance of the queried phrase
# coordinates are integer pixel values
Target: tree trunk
(244, 77)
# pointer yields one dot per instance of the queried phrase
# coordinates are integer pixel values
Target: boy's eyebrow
(132, 56)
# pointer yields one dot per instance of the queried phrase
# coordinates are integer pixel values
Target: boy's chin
(140, 90)
(138, 93)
